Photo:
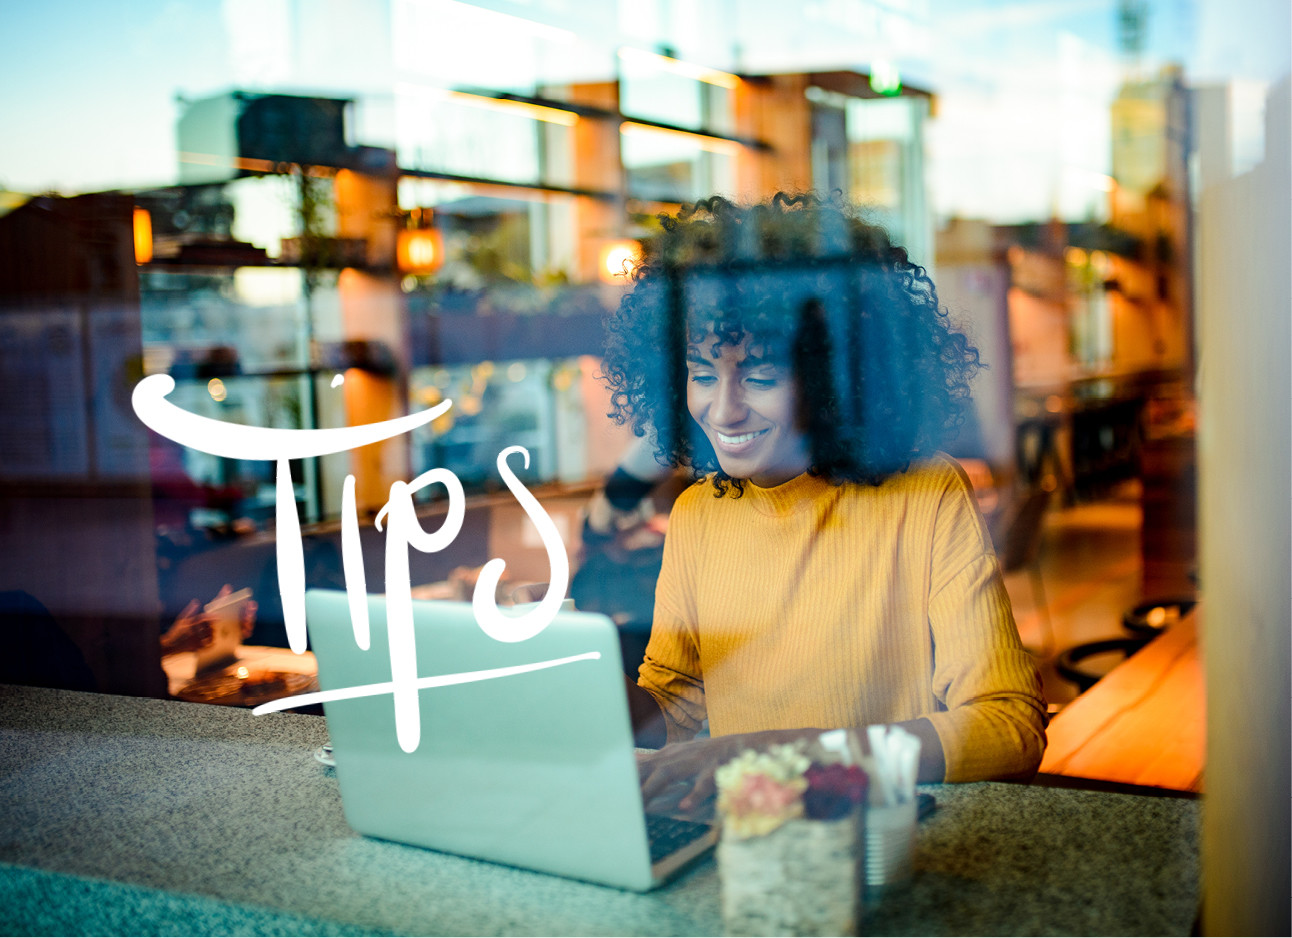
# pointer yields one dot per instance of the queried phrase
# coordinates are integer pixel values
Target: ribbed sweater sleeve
(675, 678)
(811, 605)
(994, 724)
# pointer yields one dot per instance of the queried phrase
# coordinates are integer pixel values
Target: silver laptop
(534, 770)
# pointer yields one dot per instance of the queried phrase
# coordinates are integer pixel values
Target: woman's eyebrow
(750, 362)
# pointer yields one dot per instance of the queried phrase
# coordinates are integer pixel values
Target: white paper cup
(890, 844)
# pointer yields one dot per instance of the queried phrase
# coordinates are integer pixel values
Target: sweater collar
(788, 497)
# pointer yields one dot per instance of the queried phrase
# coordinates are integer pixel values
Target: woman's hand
(190, 631)
(678, 779)
(246, 614)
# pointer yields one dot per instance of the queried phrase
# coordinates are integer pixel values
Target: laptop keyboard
(667, 835)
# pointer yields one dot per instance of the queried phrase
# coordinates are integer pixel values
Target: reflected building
(302, 273)
(1098, 316)
(469, 261)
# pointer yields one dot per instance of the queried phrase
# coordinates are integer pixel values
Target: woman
(829, 567)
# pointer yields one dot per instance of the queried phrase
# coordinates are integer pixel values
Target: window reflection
(659, 87)
(1053, 175)
(534, 403)
(664, 166)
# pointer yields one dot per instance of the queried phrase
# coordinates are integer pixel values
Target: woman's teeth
(736, 440)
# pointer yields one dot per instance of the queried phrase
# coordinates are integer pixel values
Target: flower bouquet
(790, 852)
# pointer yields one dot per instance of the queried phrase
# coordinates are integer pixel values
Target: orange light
(712, 144)
(143, 236)
(254, 166)
(618, 260)
(666, 63)
(420, 250)
(346, 184)
(551, 115)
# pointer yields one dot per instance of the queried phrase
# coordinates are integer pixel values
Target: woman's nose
(728, 407)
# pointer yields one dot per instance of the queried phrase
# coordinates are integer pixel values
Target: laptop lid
(533, 769)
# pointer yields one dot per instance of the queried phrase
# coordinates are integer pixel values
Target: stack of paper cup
(891, 814)
(890, 844)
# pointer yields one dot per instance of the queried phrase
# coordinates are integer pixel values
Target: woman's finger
(701, 791)
(655, 779)
(666, 772)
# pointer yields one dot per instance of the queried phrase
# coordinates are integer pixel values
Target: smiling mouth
(738, 439)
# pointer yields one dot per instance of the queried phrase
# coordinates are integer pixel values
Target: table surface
(124, 815)
(1144, 723)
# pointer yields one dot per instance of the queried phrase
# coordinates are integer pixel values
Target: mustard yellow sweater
(816, 605)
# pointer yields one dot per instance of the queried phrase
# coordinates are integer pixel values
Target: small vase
(804, 878)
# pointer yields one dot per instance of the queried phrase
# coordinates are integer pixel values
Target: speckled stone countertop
(121, 815)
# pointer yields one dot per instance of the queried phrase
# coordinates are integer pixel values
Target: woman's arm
(649, 728)
(933, 764)
(994, 722)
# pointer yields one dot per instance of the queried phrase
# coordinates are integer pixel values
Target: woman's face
(748, 407)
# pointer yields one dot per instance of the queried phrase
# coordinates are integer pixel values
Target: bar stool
(1144, 621)
(1148, 619)
(1068, 664)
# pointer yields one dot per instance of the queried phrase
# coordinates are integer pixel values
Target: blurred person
(623, 546)
(38, 652)
(191, 630)
(829, 567)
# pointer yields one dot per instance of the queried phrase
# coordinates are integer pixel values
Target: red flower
(833, 790)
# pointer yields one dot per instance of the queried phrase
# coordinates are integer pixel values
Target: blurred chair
(1144, 621)
(1017, 536)
(1147, 619)
(1069, 662)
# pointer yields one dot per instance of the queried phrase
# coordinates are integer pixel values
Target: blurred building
(477, 258)
(1098, 316)
(296, 277)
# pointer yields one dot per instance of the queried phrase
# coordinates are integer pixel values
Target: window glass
(886, 166)
(657, 88)
(667, 167)
(465, 136)
(534, 403)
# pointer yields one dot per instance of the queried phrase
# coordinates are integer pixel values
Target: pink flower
(763, 795)
(759, 804)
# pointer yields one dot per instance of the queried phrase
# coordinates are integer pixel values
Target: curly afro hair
(882, 377)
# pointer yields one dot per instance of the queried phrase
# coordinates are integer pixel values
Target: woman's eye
(703, 379)
(762, 384)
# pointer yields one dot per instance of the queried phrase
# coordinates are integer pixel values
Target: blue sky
(90, 99)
